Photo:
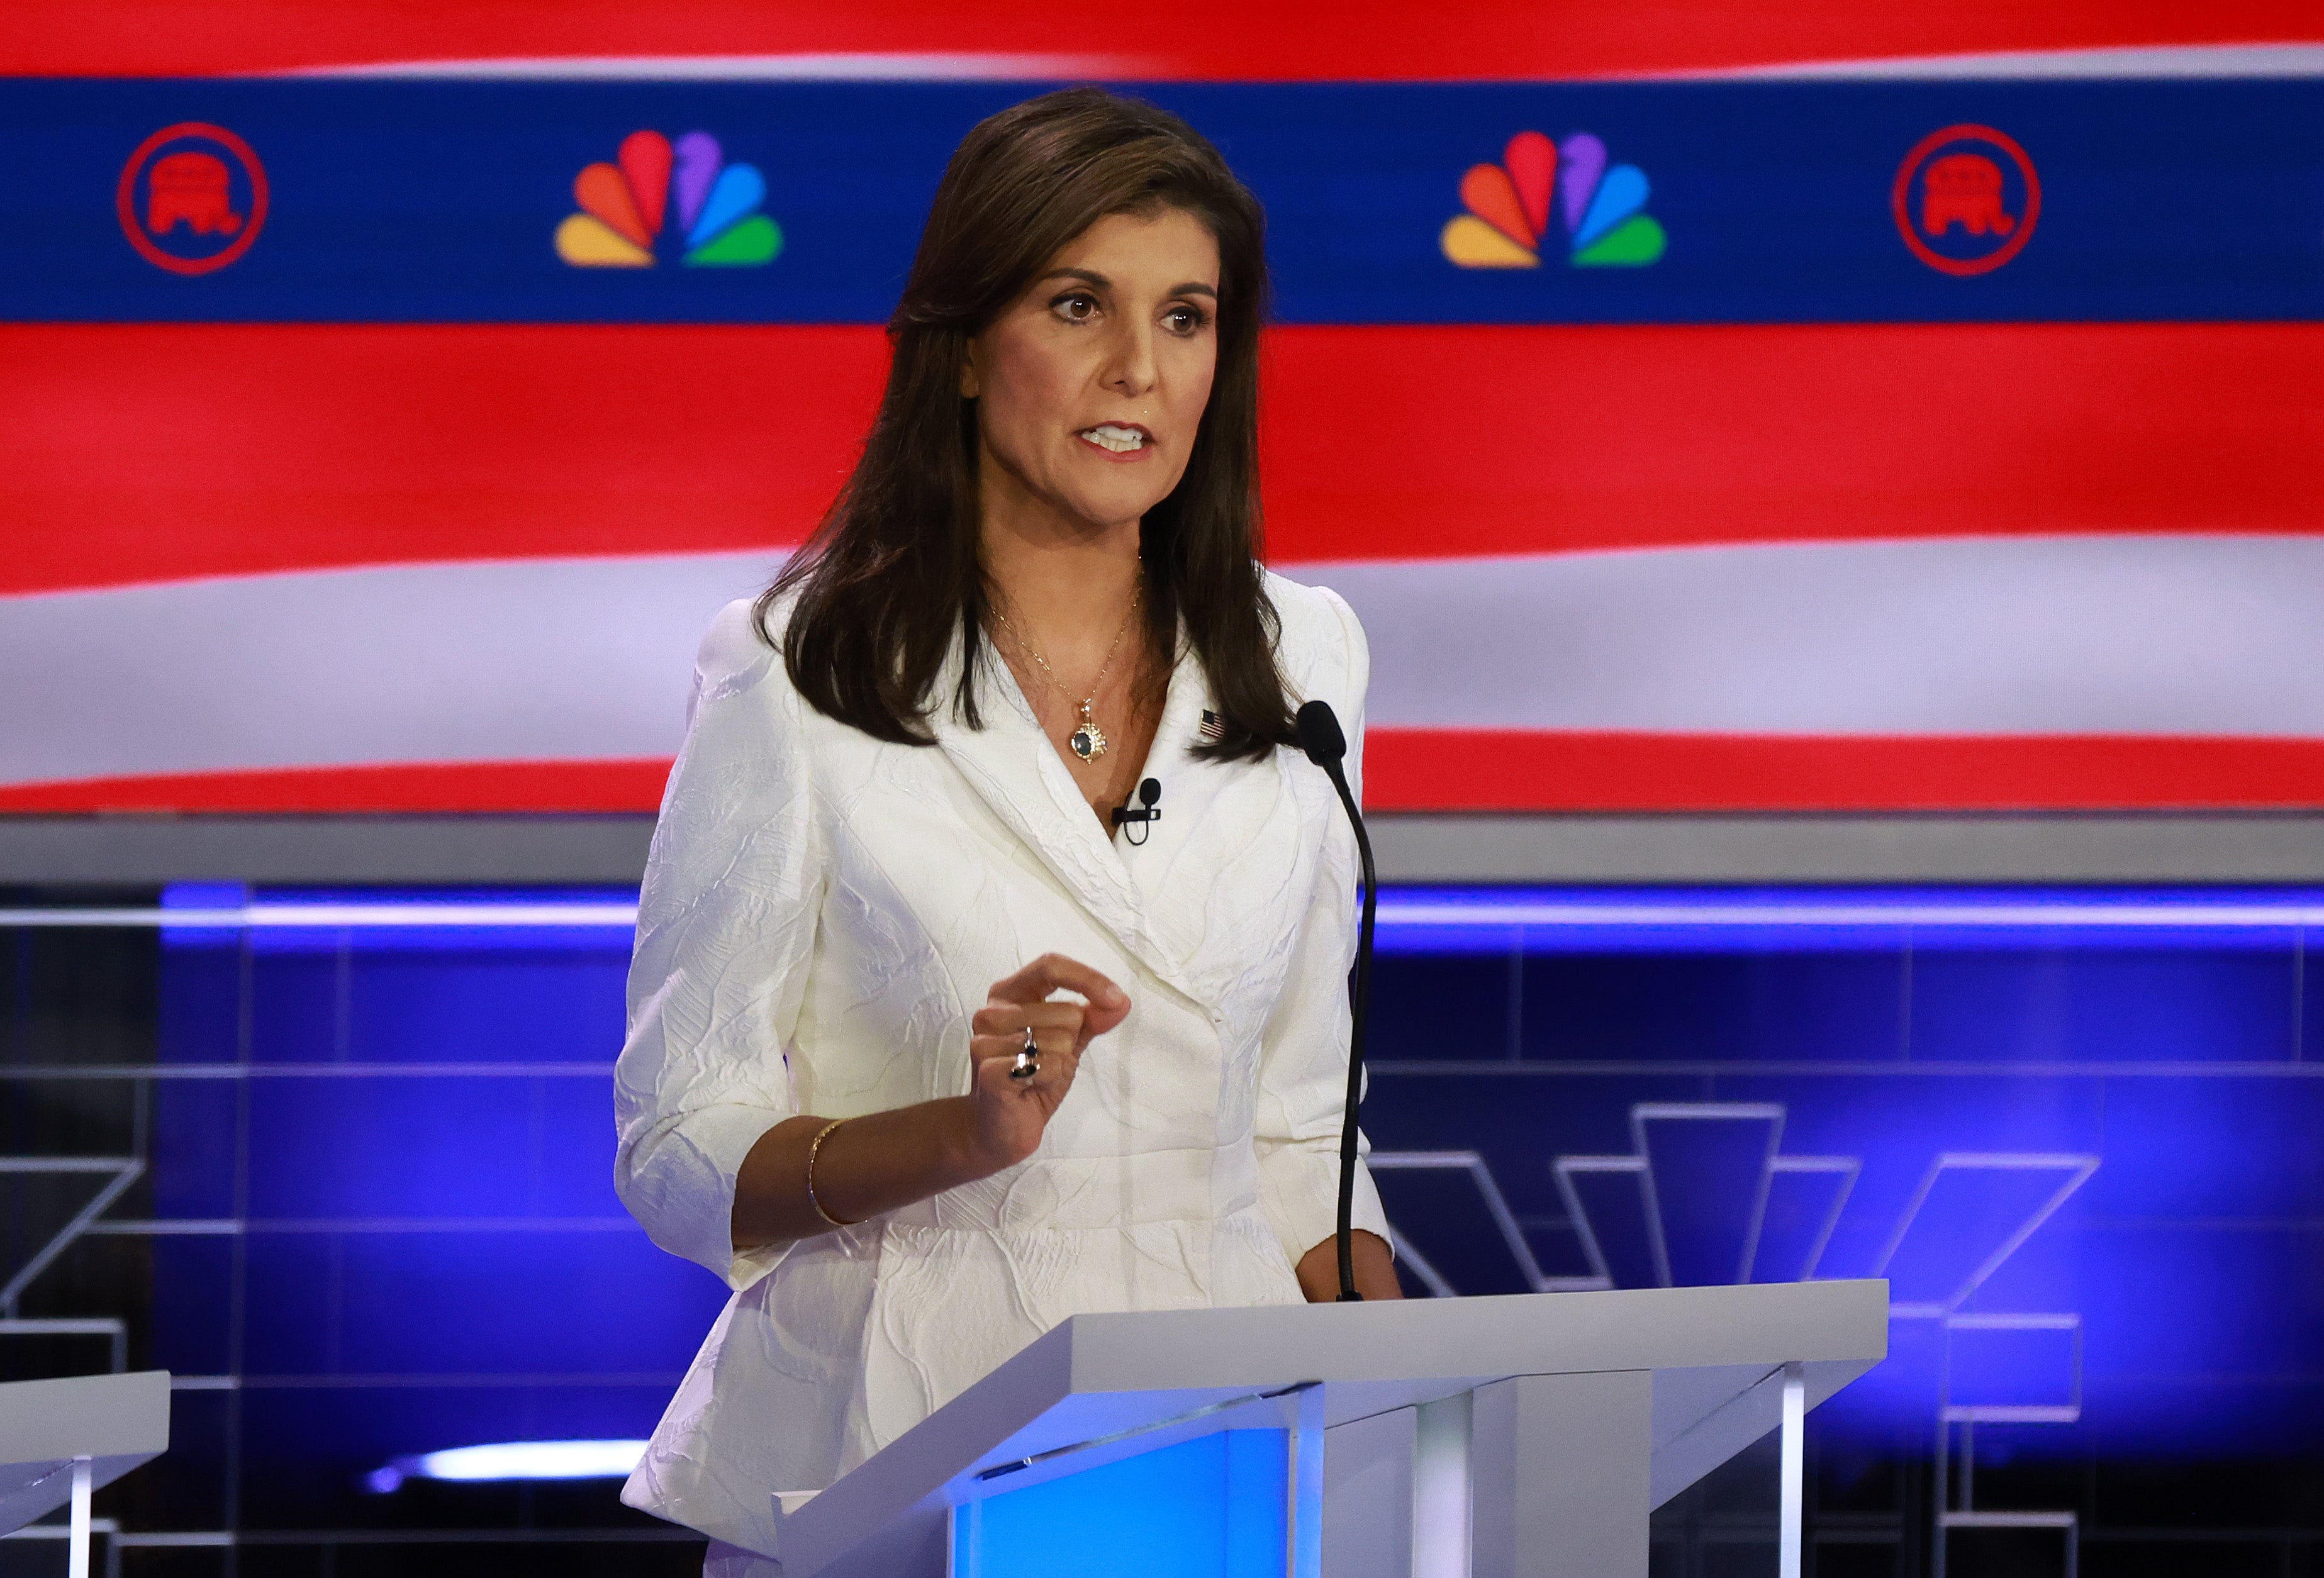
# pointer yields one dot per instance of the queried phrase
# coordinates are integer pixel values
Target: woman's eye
(1186, 320)
(1075, 307)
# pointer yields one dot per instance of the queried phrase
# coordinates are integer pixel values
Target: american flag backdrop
(1822, 409)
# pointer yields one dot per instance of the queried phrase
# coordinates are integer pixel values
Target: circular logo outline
(125, 205)
(1899, 208)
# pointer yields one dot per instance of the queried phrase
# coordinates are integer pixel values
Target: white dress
(822, 914)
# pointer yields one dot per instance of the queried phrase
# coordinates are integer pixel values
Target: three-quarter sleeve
(725, 935)
(1303, 1058)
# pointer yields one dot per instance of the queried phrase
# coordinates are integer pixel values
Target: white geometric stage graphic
(112, 1177)
(1708, 1197)
(1465, 1193)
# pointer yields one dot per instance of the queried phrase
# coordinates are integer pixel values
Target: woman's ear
(968, 384)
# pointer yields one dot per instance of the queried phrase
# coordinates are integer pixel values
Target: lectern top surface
(1100, 1375)
(116, 1421)
(85, 1415)
(1536, 1334)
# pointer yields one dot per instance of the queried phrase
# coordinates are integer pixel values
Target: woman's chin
(1108, 509)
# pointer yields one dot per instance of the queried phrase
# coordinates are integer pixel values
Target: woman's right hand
(1011, 1113)
(787, 1189)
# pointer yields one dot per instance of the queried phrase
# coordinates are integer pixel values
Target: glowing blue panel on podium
(1214, 1506)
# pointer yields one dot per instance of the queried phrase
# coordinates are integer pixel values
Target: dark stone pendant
(1088, 741)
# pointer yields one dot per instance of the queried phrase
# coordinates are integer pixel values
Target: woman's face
(1090, 386)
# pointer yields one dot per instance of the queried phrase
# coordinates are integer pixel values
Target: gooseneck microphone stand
(1327, 748)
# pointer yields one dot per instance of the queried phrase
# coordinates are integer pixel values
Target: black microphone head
(1150, 792)
(1320, 736)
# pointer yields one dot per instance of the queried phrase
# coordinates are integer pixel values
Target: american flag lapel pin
(1214, 729)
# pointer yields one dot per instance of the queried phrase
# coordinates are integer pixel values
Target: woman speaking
(926, 1050)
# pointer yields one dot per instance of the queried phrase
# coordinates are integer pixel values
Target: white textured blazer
(822, 914)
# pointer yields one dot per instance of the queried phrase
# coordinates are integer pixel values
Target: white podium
(60, 1440)
(1526, 1436)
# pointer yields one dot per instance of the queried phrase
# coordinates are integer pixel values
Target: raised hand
(885, 1160)
(1011, 1113)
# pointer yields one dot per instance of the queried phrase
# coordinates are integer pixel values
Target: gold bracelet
(814, 1145)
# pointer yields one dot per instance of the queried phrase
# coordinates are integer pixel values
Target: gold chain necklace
(1088, 741)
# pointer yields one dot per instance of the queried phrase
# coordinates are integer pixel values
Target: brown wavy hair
(892, 580)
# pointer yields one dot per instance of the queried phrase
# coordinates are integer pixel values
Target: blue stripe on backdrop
(440, 201)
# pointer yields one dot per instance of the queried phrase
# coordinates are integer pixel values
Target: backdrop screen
(386, 442)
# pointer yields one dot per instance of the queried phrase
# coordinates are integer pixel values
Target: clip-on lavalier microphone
(1149, 793)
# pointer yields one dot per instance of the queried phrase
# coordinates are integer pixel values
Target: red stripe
(1448, 442)
(1415, 769)
(415, 786)
(1199, 39)
(135, 453)
(1427, 769)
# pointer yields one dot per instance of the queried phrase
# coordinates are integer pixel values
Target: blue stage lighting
(514, 1460)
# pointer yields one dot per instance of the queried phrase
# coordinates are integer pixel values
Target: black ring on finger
(1029, 1057)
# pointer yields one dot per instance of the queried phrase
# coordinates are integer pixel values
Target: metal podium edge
(116, 1421)
(887, 1514)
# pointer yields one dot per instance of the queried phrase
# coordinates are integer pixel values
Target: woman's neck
(1060, 578)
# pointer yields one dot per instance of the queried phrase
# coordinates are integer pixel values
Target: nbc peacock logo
(1511, 204)
(709, 208)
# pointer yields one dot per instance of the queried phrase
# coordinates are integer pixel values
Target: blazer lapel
(1231, 844)
(1014, 769)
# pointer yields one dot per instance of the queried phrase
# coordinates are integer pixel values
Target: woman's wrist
(788, 1188)
(967, 1154)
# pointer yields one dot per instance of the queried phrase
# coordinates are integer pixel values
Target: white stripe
(864, 66)
(2292, 59)
(1991, 635)
(538, 659)
(554, 659)
(2128, 62)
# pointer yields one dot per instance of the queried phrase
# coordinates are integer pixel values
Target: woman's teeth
(1120, 440)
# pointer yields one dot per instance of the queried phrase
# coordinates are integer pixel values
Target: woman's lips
(1123, 441)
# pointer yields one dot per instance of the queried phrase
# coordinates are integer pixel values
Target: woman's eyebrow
(1092, 276)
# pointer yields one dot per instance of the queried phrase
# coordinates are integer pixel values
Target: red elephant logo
(194, 188)
(1964, 188)
(192, 198)
(1954, 198)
